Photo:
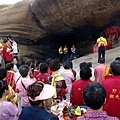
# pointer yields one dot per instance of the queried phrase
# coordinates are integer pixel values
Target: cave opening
(82, 37)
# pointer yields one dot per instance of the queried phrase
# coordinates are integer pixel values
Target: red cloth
(63, 92)
(6, 55)
(74, 73)
(49, 72)
(77, 89)
(112, 105)
(42, 77)
(35, 73)
(10, 79)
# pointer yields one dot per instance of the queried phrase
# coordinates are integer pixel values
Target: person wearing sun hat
(38, 93)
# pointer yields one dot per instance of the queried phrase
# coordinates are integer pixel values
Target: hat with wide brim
(47, 92)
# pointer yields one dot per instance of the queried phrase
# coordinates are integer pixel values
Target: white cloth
(1, 59)
(73, 49)
(15, 68)
(14, 47)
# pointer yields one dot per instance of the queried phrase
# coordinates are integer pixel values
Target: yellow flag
(107, 72)
(78, 111)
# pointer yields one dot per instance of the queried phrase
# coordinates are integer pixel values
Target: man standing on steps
(101, 42)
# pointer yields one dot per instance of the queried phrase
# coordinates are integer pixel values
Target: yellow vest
(101, 41)
(55, 79)
(65, 49)
(60, 50)
(12, 91)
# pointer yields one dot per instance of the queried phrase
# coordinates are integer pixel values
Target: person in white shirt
(14, 47)
(14, 60)
(73, 52)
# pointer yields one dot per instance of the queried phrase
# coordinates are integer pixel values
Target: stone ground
(92, 57)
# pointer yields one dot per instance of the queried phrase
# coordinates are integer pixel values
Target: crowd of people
(8, 50)
(29, 89)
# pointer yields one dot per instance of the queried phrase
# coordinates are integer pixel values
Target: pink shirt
(23, 92)
(99, 72)
(17, 78)
(9, 111)
(69, 77)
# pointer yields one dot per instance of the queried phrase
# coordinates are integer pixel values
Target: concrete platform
(93, 57)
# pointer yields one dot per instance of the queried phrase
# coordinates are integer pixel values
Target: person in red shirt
(7, 51)
(79, 85)
(94, 96)
(42, 76)
(112, 86)
(10, 75)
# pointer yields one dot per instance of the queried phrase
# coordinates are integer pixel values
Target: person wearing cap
(38, 93)
(101, 42)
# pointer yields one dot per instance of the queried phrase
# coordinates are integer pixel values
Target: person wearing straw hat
(38, 94)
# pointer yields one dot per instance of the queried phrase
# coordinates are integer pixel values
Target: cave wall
(40, 26)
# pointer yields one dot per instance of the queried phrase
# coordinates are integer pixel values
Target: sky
(8, 1)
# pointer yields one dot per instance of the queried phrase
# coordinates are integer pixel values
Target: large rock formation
(45, 24)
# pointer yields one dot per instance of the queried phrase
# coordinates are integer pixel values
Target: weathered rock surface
(33, 22)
